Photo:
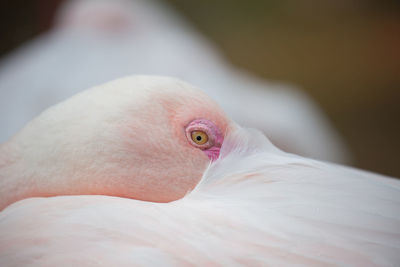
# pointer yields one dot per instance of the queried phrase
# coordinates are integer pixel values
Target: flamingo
(149, 171)
(94, 41)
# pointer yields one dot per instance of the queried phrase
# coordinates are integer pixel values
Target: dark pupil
(198, 138)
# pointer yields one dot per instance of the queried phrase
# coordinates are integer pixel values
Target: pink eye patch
(205, 135)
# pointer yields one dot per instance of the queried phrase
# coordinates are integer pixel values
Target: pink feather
(256, 205)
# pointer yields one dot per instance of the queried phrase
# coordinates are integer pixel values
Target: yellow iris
(199, 137)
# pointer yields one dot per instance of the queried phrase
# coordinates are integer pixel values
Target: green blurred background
(344, 53)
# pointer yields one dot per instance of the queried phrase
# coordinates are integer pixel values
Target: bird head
(142, 137)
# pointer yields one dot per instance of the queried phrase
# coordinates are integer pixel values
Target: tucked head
(141, 137)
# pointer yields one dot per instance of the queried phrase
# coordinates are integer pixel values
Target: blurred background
(344, 53)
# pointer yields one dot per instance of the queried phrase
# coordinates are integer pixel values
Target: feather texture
(256, 205)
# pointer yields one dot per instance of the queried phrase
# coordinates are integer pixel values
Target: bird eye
(199, 137)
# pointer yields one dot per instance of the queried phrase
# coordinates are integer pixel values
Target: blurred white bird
(98, 40)
(255, 205)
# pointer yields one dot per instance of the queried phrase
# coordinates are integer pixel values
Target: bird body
(149, 171)
(255, 205)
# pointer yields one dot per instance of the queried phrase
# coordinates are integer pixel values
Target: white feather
(256, 205)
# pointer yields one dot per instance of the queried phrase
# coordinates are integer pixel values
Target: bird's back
(255, 205)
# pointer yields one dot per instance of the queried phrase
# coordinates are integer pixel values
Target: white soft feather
(256, 205)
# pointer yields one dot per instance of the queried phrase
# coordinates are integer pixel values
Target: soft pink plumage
(125, 138)
(255, 205)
